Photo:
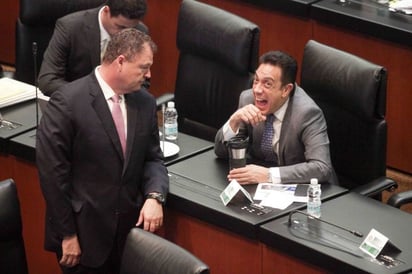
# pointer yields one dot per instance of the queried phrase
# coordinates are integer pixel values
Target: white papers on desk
(404, 6)
(13, 92)
(277, 195)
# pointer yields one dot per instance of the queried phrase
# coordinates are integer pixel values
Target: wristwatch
(157, 196)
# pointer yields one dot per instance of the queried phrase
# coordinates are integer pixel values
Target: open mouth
(261, 103)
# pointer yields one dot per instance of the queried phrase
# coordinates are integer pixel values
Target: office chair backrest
(218, 55)
(36, 24)
(352, 94)
(12, 253)
(147, 253)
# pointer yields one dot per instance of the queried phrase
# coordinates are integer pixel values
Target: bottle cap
(313, 181)
(170, 104)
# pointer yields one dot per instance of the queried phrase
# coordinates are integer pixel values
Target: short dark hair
(131, 9)
(128, 42)
(287, 64)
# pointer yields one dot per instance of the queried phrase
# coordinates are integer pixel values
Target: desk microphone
(354, 232)
(34, 50)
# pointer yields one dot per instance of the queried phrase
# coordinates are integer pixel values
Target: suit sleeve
(317, 162)
(53, 68)
(155, 176)
(53, 158)
(221, 149)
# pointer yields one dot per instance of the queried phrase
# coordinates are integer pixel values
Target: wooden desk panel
(6, 166)
(32, 208)
(285, 264)
(223, 251)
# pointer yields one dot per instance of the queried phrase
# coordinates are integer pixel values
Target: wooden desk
(326, 249)
(23, 115)
(218, 234)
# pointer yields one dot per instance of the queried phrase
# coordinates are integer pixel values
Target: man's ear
(286, 90)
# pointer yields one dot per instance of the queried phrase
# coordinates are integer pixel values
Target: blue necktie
(267, 140)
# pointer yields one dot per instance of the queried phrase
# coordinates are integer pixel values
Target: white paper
(402, 6)
(263, 190)
(277, 200)
(13, 92)
(278, 195)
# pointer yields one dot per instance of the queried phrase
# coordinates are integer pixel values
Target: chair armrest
(163, 99)
(376, 187)
(400, 199)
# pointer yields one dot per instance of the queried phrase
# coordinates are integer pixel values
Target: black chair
(218, 55)
(352, 94)
(399, 199)
(147, 253)
(12, 253)
(36, 24)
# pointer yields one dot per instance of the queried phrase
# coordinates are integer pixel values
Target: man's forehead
(266, 71)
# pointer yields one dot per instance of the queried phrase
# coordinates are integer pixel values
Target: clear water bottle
(314, 201)
(170, 120)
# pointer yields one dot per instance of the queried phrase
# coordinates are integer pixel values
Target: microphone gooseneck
(354, 232)
(34, 51)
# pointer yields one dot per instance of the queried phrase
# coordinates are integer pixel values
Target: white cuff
(228, 133)
(274, 175)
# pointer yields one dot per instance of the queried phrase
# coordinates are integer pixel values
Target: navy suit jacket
(90, 189)
(303, 143)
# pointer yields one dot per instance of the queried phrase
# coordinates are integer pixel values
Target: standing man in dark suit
(96, 186)
(79, 39)
(299, 147)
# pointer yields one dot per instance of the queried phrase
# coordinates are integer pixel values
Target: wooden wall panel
(278, 32)
(10, 9)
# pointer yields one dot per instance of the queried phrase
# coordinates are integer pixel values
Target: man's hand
(151, 215)
(250, 174)
(248, 114)
(71, 251)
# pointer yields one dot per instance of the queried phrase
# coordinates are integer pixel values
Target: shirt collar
(280, 113)
(107, 90)
(103, 33)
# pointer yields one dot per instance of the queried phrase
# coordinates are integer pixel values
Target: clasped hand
(248, 114)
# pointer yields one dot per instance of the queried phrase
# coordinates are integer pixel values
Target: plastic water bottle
(314, 201)
(170, 121)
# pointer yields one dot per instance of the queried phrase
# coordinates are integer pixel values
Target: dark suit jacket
(303, 144)
(73, 51)
(89, 188)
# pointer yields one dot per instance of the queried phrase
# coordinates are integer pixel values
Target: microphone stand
(354, 232)
(163, 129)
(34, 50)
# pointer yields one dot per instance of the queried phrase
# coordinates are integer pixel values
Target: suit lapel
(285, 131)
(132, 114)
(103, 112)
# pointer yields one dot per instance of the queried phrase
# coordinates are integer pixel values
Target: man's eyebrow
(265, 78)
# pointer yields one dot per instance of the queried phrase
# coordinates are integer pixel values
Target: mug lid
(238, 142)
